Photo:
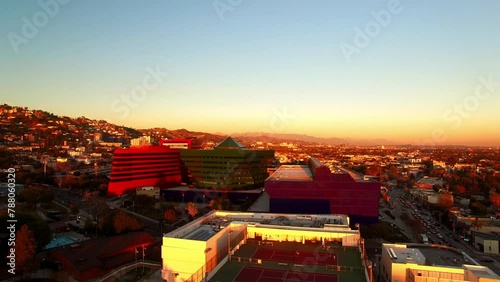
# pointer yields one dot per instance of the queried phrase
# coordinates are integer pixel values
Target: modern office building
(229, 166)
(419, 263)
(198, 250)
(314, 188)
(137, 167)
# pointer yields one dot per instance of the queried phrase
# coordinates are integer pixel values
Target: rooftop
(427, 255)
(206, 227)
(229, 143)
(305, 173)
(406, 255)
(358, 177)
(292, 173)
(481, 271)
(203, 233)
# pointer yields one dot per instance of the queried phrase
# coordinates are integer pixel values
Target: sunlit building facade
(194, 252)
(229, 166)
(422, 263)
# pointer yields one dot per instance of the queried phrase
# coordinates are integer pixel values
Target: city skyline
(422, 76)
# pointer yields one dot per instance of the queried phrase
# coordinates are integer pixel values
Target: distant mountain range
(17, 118)
(313, 139)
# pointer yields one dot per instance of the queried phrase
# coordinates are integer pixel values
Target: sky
(420, 72)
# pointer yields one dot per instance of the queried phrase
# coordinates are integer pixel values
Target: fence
(129, 265)
(246, 260)
(199, 275)
(260, 243)
(336, 268)
(340, 268)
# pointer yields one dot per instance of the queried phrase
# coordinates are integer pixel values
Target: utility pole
(143, 255)
(229, 244)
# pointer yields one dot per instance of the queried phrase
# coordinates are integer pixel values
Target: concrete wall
(399, 272)
(181, 256)
(349, 238)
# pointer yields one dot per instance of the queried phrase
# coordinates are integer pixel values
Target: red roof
(102, 253)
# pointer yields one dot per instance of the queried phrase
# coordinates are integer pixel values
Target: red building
(144, 166)
(314, 189)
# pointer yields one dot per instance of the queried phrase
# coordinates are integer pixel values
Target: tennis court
(296, 256)
(253, 274)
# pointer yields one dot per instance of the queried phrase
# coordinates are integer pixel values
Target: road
(397, 211)
(435, 230)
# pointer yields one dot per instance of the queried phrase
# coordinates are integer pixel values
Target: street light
(229, 244)
(143, 255)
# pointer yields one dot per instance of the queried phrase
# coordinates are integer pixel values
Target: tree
(445, 200)
(478, 208)
(192, 209)
(33, 196)
(495, 199)
(25, 248)
(220, 204)
(125, 222)
(170, 216)
(35, 224)
(96, 206)
(460, 189)
(374, 170)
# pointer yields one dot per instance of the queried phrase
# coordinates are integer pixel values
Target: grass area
(228, 272)
(350, 258)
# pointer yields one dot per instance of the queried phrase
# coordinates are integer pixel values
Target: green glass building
(229, 166)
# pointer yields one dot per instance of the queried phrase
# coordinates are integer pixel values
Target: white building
(141, 141)
(201, 247)
(425, 263)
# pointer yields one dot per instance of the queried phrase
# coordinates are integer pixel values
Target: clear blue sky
(237, 72)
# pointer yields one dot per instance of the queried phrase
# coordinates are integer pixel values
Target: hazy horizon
(406, 71)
